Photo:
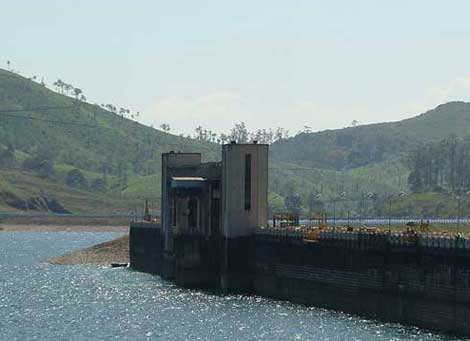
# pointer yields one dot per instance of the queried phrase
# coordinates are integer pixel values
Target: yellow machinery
(314, 233)
(424, 226)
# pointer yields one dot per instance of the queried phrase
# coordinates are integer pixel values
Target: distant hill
(101, 162)
(374, 143)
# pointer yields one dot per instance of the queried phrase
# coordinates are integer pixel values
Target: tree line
(238, 133)
(440, 166)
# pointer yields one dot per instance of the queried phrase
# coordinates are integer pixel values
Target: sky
(268, 63)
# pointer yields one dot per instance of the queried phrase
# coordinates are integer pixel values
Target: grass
(26, 185)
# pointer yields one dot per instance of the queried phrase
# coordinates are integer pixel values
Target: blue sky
(269, 63)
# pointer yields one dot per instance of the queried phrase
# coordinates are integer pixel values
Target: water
(43, 301)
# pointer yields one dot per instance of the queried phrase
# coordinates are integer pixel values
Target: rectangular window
(247, 182)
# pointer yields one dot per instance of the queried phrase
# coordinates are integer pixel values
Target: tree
(280, 134)
(41, 161)
(223, 138)
(99, 185)
(111, 108)
(165, 127)
(77, 92)
(43, 167)
(75, 178)
(7, 156)
(68, 88)
(440, 166)
(239, 133)
(293, 203)
(315, 204)
(60, 86)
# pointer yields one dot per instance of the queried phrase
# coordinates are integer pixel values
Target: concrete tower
(245, 188)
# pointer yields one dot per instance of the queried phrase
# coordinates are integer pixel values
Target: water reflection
(43, 301)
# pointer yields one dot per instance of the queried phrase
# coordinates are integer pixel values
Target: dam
(214, 234)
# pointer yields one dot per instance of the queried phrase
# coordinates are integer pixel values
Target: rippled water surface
(43, 301)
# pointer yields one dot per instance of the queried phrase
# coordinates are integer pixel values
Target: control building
(219, 201)
(227, 198)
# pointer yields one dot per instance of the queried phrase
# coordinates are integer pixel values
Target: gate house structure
(211, 207)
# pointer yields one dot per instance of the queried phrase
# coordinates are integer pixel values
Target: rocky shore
(113, 251)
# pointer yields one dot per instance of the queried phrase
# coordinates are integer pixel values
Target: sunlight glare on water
(43, 301)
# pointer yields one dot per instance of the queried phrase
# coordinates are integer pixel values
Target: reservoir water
(43, 301)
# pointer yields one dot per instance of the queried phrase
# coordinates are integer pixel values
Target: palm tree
(59, 85)
(68, 87)
(77, 92)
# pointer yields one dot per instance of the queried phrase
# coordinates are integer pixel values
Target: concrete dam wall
(417, 286)
(369, 276)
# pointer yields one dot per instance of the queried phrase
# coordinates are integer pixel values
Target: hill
(45, 135)
(88, 136)
(61, 154)
(374, 143)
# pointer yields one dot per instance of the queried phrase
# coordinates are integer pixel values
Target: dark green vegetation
(59, 153)
(442, 166)
(370, 165)
(374, 143)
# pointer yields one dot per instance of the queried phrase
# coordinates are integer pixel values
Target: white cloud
(220, 110)
(217, 111)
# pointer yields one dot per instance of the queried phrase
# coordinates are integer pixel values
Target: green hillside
(363, 145)
(61, 154)
(85, 135)
(38, 125)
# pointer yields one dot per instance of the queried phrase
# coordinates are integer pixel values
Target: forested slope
(367, 144)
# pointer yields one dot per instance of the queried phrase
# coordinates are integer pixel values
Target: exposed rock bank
(114, 251)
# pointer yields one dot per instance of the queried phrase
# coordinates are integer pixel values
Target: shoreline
(112, 251)
(12, 227)
(65, 220)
